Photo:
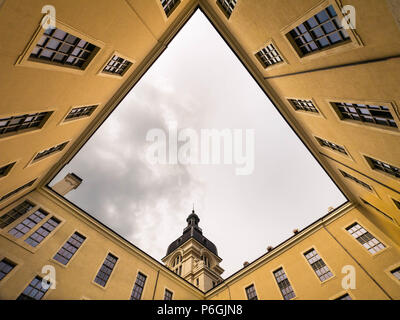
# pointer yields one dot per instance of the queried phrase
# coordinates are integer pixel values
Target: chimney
(270, 248)
(69, 183)
(296, 231)
(245, 264)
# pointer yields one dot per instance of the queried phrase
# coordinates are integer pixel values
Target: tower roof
(192, 230)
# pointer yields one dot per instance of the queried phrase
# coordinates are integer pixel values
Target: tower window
(375, 114)
(106, 269)
(303, 105)
(50, 151)
(361, 183)
(251, 293)
(269, 56)
(396, 273)
(10, 194)
(61, 48)
(168, 295)
(23, 123)
(138, 287)
(318, 265)
(169, 6)
(368, 241)
(80, 112)
(35, 290)
(227, 6)
(345, 297)
(117, 65)
(384, 167)
(320, 32)
(6, 169)
(284, 284)
(26, 225)
(68, 250)
(5, 267)
(14, 214)
(330, 145)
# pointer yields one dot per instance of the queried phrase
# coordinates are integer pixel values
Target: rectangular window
(61, 48)
(40, 234)
(319, 32)
(67, 251)
(396, 273)
(368, 241)
(366, 113)
(117, 65)
(50, 151)
(384, 167)
(269, 56)
(8, 195)
(14, 214)
(284, 284)
(303, 105)
(227, 6)
(106, 269)
(333, 146)
(361, 183)
(5, 267)
(6, 169)
(138, 287)
(80, 112)
(251, 293)
(35, 290)
(167, 295)
(380, 211)
(26, 225)
(19, 124)
(397, 203)
(345, 297)
(318, 265)
(169, 6)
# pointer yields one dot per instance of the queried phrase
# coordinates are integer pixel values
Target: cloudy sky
(199, 83)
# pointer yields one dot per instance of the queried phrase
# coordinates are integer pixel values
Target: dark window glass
(14, 214)
(319, 32)
(5, 267)
(117, 66)
(35, 290)
(16, 124)
(6, 169)
(26, 225)
(344, 297)
(80, 112)
(251, 293)
(369, 242)
(61, 48)
(396, 273)
(40, 234)
(304, 105)
(318, 265)
(69, 248)
(397, 203)
(169, 6)
(361, 183)
(331, 145)
(284, 284)
(106, 269)
(10, 194)
(269, 56)
(138, 287)
(167, 295)
(227, 6)
(384, 167)
(50, 151)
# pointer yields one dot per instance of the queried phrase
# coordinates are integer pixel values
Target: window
(138, 287)
(169, 6)
(206, 260)
(396, 273)
(167, 295)
(8, 195)
(384, 167)
(284, 284)
(61, 48)
(331, 145)
(350, 177)
(251, 293)
(5, 267)
(365, 238)
(26, 225)
(19, 124)
(303, 105)
(318, 265)
(40, 234)
(6, 169)
(80, 112)
(69, 248)
(12, 215)
(117, 65)
(380, 211)
(227, 6)
(269, 56)
(345, 297)
(106, 269)
(397, 203)
(379, 115)
(35, 290)
(320, 32)
(50, 151)
(197, 282)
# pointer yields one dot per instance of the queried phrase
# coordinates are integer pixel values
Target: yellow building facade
(336, 87)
